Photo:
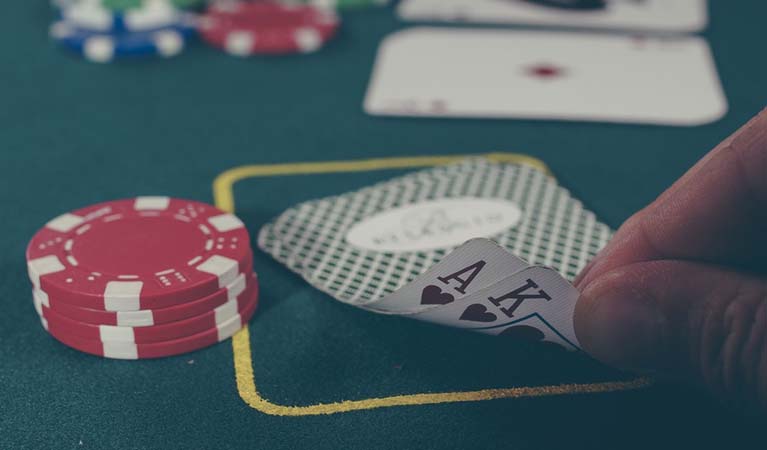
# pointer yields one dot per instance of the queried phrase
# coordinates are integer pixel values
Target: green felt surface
(75, 133)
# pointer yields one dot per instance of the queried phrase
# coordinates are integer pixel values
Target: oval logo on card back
(434, 224)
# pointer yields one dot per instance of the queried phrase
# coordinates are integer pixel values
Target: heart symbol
(529, 333)
(524, 332)
(477, 313)
(433, 295)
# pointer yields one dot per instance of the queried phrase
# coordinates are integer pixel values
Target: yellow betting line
(247, 388)
(223, 194)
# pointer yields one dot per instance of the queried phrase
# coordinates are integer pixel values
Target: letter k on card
(537, 293)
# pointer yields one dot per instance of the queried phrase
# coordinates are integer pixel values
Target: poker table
(255, 136)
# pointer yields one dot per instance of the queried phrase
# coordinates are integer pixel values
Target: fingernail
(622, 329)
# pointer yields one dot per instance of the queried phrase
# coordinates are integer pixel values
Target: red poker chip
(247, 28)
(136, 254)
(150, 317)
(128, 350)
(156, 333)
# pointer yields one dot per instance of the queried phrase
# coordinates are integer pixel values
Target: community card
(536, 297)
(486, 73)
(681, 16)
(362, 246)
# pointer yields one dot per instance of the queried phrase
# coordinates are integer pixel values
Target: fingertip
(583, 273)
(619, 324)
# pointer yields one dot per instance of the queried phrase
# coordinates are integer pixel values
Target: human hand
(681, 289)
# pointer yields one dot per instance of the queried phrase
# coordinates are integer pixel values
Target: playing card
(476, 264)
(536, 297)
(362, 246)
(534, 328)
(269, 242)
(642, 15)
(298, 233)
(438, 72)
(409, 246)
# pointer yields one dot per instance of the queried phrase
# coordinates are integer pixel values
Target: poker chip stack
(141, 278)
(104, 30)
(107, 30)
(243, 28)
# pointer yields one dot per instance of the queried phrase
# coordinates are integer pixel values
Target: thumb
(680, 318)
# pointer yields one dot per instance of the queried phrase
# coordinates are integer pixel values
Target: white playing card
(474, 265)
(643, 15)
(426, 215)
(298, 233)
(534, 328)
(390, 247)
(536, 292)
(272, 244)
(438, 72)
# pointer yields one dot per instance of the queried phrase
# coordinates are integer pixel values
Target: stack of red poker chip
(143, 278)
(267, 27)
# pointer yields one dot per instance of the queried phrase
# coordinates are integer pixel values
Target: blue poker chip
(103, 47)
(92, 15)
